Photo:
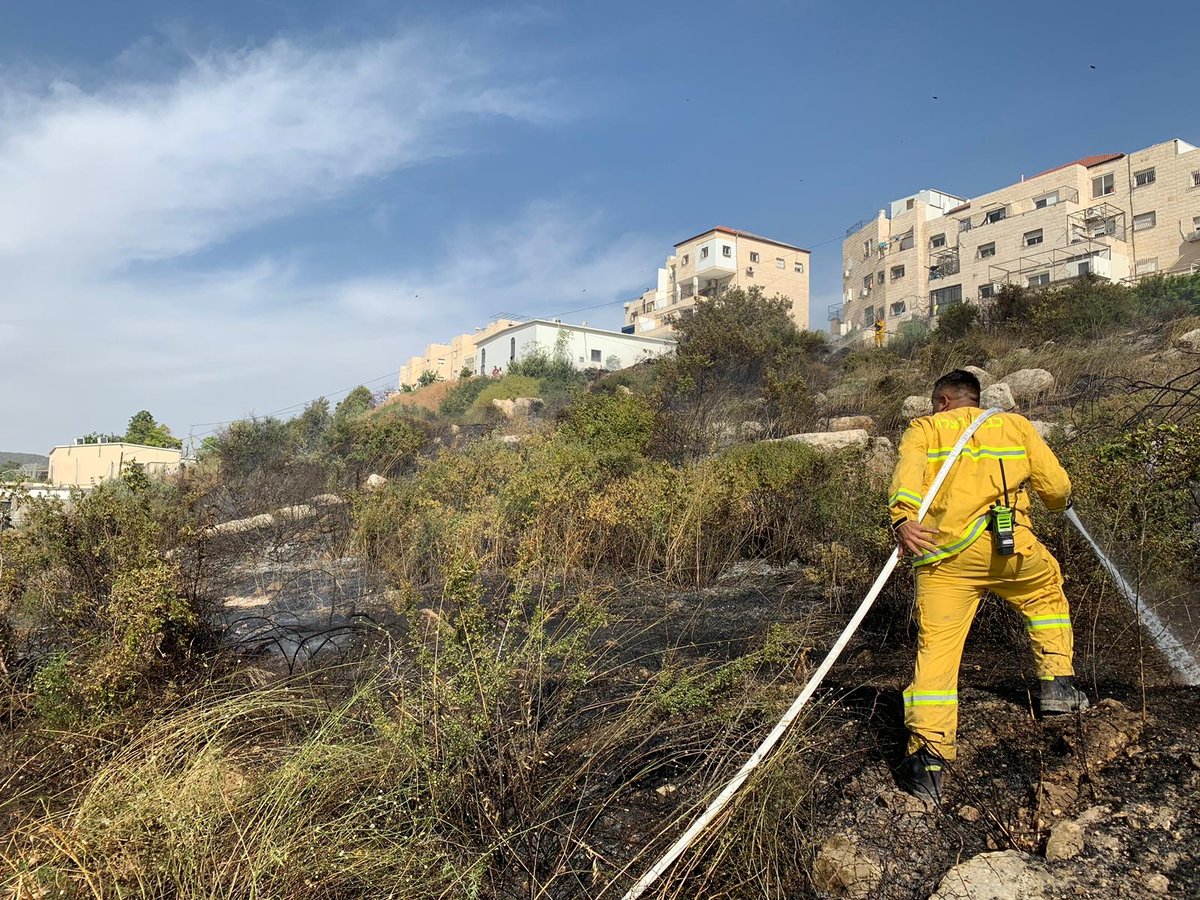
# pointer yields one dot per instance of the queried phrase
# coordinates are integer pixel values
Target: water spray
(1177, 655)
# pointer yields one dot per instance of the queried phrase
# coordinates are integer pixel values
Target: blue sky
(211, 210)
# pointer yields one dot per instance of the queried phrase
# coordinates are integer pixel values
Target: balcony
(944, 263)
(716, 258)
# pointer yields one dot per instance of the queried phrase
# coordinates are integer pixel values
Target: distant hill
(23, 458)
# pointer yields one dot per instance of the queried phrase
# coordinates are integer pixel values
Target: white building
(585, 347)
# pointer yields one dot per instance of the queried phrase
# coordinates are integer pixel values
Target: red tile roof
(746, 234)
(1087, 162)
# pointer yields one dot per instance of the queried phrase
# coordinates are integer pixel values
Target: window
(943, 297)
(1143, 178)
(987, 250)
(897, 309)
(704, 253)
(906, 241)
(1103, 185)
(964, 225)
(779, 263)
(1196, 178)
(995, 215)
(867, 282)
(726, 251)
(938, 240)
(897, 273)
(512, 349)
(1146, 266)
(869, 316)
(482, 362)
(987, 291)
(866, 249)
(1045, 200)
(1033, 238)
(685, 260)
(799, 267)
(1039, 279)
(1196, 224)
(753, 256)
(595, 356)
(911, 202)
(879, 278)
(1144, 221)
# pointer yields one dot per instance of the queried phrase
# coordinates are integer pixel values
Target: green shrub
(460, 398)
(614, 428)
(956, 321)
(508, 387)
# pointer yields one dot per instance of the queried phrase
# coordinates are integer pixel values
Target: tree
(143, 429)
(96, 437)
(310, 429)
(352, 406)
(427, 378)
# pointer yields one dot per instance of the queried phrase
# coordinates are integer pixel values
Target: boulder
(624, 390)
(1029, 384)
(1158, 883)
(1189, 341)
(1003, 875)
(375, 482)
(528, 405)
(510, 439)
(1065, 842)
(830, 441)
(999, 395)
(849, 423)
(507, 407)
(844, 869)
(985, 378)
(1045, 429)
(916, 406)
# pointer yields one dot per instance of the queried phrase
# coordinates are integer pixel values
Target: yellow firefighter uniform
(951, 580)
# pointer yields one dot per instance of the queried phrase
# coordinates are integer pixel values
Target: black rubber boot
(921, 775)
(1059, 695)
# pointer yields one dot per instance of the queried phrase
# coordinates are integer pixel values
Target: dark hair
(959, 382)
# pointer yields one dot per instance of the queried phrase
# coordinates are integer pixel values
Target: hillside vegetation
(519, 662)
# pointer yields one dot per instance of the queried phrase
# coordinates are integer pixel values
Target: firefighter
(880, 325)
(976, 537)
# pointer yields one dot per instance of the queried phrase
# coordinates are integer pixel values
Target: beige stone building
(84, 465)
(1118, 216)
(713, 262)
(447, 361)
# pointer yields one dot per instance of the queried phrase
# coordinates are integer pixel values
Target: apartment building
(716, 261)
(84, 465)
(1120, 216)
(447, 361)
(583, 346)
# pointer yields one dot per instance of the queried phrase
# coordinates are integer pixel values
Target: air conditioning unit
(864, 292)
(749, 271)
(1093, 212)
(846, 274)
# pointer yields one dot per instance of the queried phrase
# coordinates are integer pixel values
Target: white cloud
(97, 179)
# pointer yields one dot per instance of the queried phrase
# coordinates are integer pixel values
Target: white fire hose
(722, 799)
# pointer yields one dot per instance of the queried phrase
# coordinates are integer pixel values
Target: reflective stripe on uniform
(930, 698)
(957, 547)
(984, 452)
(905, 495)
(1040, 623)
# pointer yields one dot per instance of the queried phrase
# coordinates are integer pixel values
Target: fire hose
(764, 749)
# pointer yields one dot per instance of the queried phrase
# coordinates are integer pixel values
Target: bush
(615, 429)
(461, 397)
(509, 387)
(955, 322)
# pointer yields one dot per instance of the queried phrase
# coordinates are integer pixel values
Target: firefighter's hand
(915, 538)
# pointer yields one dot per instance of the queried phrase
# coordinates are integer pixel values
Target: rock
(1021, 353)
(529, 405)
(985, 378)
(830, 441)
(1065, 842)
(1003, 875)
(849, 423)
(820, 399)
(507, 407)
(1045, 429)
(1189, 341)
(1029, 384)
(916, 406)
(624, 391)
(844, 869)
(998, 395)
(510, 439)
(1158, 883)
(374, 482)
(969, 814)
